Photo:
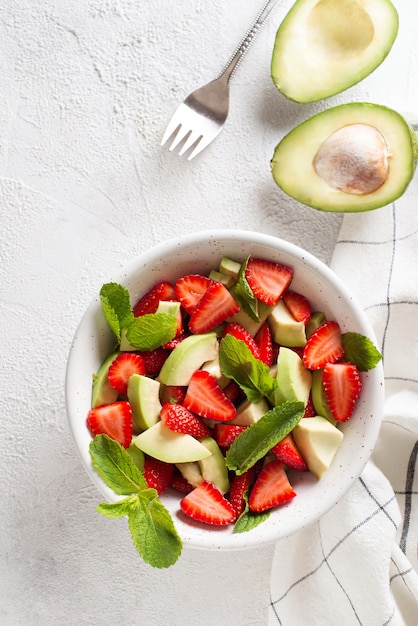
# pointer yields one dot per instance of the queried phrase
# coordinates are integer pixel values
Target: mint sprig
(251, 374)
(116, 307)
(145, 332)
(152, 529)
(243, 294)
(249, 519)
(360, 350)
(256, 440)
(151, 331)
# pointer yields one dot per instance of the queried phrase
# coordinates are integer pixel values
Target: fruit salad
(219, 387)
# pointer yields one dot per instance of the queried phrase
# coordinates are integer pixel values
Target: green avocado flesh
(353, 157)
(323, 47)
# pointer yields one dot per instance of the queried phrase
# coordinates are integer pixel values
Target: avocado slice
(250, 412)
(213, 467)
(166, 445)
(190, 470)
(144, 398)
(294, 380)
(319, 398)
(317, 440)
(324, 47)
(285, 330)
(102, 392)
(352, 157)
(187, 357)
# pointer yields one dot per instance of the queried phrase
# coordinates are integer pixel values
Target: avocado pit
(354, 159)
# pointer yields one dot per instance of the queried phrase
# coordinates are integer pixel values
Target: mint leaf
(152, 330)
(251, 374)
(115, 466)
(360, 350)
(256, 440)
(153, 531)
(152, 528)
(248, 519)
(114, 510)
(243, 294)
(116, 307)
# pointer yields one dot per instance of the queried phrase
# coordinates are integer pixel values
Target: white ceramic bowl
(199, 253)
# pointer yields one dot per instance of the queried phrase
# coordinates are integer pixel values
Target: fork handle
(247, 40)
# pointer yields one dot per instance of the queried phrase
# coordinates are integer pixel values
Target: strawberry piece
(264, 342)
(225, 434)
(287, 452)
(172, 393)
(122, 368)
(206, 504)
(170, 345)
(154, 360)
(271, 488)
(268, 280)
(176, 417)
(342, 385)
(310, 410)
(179, 483)
(323, 346)
(205, 397)
(240, 333)
(298, 305)
(232, 392)
(149, 303)
(158, 474)
(239, 487)
(214, 307)
(190, 289)
(113, 420)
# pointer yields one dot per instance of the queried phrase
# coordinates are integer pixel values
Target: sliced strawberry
(172, 393)
(268, 280)
(310, 410)
(342, 385)
(190, 289)
(170, 345)
(239, 332)
(214, 307)
(113, 420)
(158, 474)
(205, 397)
(154, 360)
(239, 487)
(149, 303)
(225, 434)
(287, 452)
(176, 417)
(298, 305)
(264, 341)
(232, 392)
(206, 504)
(179, 483)
(122, 368)
(323, 346)
(298, 350)
(271, 488)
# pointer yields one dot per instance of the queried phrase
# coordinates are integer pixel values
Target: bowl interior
(199, 253)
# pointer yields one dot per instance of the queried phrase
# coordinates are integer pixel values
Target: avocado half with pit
(323, 47)
(353, 157)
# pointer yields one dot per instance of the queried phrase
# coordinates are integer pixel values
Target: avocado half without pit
(353, 157)
(323, 47)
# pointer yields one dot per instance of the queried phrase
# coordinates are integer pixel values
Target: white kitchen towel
(358, 564)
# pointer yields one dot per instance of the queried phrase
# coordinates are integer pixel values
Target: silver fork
(200, 118)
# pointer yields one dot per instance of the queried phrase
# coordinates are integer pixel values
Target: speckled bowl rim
(200, 252)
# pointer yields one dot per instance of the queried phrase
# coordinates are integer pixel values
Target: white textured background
(86, 89)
